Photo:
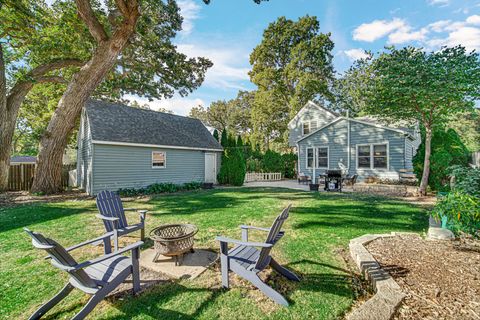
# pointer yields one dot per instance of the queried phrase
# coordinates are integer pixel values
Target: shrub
(447, 150)
(272, 162)
(159, 188)
(467, 179)
(462, 211)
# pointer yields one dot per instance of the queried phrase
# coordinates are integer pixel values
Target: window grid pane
(158, 159)
(310, 158)
(322, 158)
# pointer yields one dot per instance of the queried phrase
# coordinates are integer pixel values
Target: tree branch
(88, 16)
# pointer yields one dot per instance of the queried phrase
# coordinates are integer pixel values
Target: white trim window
(373, 156)
(159, 159)
(380, 156)
(310, 157)
(322, 157)
(309, 126)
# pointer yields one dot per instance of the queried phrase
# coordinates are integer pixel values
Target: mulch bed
(440, 278)
(14, 198)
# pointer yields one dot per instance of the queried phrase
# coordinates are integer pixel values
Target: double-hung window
(322, 157)
(159, 159)
(309, 126)
(372, 156)
(310, 157)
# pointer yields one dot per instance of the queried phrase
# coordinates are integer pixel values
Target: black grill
(333, 180)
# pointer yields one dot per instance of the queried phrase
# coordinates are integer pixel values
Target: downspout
(348, 142)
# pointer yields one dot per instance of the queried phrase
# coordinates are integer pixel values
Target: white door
(210, 168)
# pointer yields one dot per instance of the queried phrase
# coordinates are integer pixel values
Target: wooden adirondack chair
(112, 213)
(247, 261)
(96, 277)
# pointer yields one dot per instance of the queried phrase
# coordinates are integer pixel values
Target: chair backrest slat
(109, 204)
(264, 257)
(58, 253)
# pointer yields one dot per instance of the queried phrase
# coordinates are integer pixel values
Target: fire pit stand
(173, 240)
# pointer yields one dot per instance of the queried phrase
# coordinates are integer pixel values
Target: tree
(447, 149)
(292, 64)
(224, 139)
(215, 134)
(233, 115)
(133, 53)
(467, 125)
(412, 85)
(28, 57)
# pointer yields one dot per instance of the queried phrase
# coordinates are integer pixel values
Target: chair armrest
(107, 256)
(244, 243)
(106, 218)
(130, 209)
(106, 235)
(142, 214)
(254, 228)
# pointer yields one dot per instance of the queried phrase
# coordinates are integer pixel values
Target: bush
(233, 167)
(467, 179)
(159, 188)
(272, 162)
(447, 150)
(462, 211)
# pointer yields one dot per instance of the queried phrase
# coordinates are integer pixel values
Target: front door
(210, 168)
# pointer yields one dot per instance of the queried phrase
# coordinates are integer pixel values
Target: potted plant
(313, 185)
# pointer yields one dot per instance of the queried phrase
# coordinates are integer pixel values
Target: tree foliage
(233, 168)
(447, 150)
(292, 64)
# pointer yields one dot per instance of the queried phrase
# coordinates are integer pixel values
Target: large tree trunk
(52, 145)
(426, 163)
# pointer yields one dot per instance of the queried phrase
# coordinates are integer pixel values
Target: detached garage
(124, 147)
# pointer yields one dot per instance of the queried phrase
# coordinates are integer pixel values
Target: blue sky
(226, 31)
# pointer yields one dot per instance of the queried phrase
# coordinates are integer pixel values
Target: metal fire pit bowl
(173, 240)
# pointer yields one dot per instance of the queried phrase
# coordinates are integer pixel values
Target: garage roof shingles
(115, 122)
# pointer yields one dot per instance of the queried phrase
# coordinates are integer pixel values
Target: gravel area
(441, 279)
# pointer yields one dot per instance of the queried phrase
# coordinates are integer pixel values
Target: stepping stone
(192, 264)
(435, 233)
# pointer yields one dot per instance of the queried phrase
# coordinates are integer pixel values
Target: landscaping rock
(435, 233)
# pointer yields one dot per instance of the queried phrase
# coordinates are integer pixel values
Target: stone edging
(388, 294)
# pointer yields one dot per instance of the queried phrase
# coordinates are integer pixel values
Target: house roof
(312, 104)
(118, 123)
(23, 159)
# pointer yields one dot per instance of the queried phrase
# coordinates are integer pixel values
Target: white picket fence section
(263, 176)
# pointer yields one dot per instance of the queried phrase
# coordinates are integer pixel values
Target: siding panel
(118, 167)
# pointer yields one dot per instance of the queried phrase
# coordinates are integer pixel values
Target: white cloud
(468, 37)
(441, 3)
(227, 71)
(377, 29)
(355, 54)
(475, 20)
(177, 105)
(190, 11)
(439, 26)
(406, 34)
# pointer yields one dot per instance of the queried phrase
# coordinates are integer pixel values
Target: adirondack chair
(246, 260)
(96, 277)
(112, 213)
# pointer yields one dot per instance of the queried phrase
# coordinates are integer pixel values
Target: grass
(319, 225)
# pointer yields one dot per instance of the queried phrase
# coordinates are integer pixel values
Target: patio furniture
(247, 259)
(96, 277)
(173, 240)
(350, 180)
(333, 180)
(112, 213)
(303, 178)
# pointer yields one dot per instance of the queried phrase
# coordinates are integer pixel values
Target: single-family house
(125, 147)
(16, 160)
(325, 140)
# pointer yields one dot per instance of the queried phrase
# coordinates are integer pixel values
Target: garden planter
(207, 185)
(314, 186)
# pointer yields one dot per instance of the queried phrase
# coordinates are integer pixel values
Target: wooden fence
(263, 176)
(20, 176)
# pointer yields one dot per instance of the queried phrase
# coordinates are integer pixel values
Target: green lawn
(318, 226)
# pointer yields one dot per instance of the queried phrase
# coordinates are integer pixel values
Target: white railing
(263, 176)
(476, 159)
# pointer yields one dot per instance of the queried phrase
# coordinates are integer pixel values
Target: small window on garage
(159, 159)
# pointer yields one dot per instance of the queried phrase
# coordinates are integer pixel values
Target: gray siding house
(325, 140)
(125, 147)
